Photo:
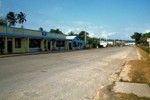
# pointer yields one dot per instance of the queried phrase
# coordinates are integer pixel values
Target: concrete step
(141, 90)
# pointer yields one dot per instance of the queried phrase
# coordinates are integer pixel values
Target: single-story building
(103, 43)
(129, 43)
(75, 42)
(19, 40)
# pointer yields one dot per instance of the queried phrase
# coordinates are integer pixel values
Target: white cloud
(76, 27)
(105, 34)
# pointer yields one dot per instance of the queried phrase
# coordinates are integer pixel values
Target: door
(49, 45)
(1, 45)
(9, 46)
(70, 46)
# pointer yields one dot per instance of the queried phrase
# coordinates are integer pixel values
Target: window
(17, 43)
(60, 43)
(34, 43)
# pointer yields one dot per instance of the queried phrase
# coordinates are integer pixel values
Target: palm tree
(3, 21)
(21, 17)
(71, 33)
(41, 29)
(11, 18)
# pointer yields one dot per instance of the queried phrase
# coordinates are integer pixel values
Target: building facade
(75, 43)
(18, 40)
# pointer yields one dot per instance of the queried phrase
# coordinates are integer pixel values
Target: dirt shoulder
(135, 71)
(138, 72)
(139, 69)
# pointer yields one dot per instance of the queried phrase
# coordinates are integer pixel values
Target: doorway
(70, 46)
(9, 43)
(49, 45)
(1, 45)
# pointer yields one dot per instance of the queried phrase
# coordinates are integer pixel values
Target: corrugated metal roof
(70, 37)
(11, 31)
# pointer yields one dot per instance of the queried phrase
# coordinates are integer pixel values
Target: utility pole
(114, 42)
(85, 37)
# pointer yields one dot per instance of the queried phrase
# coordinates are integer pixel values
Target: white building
(130, 43)
(103, 43)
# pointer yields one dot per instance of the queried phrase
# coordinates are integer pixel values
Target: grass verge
(145, 48)
(123, 96)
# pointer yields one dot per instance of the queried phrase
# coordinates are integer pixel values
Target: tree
(137, 36)
(56, 31)
(82, 33)
(11, 18)
(41, 29)
(143, 39)
(147, 35)
(93, 42)
(3, 21)
(21, 17)
(72, 34)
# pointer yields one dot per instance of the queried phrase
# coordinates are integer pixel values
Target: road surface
(60, 76)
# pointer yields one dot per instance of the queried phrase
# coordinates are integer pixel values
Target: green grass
(145, 48)
(123, 96)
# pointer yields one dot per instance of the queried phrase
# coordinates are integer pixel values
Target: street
(60, 76)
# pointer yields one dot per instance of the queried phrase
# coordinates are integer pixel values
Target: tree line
(141, 38)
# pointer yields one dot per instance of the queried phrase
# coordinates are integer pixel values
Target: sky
(113, 19)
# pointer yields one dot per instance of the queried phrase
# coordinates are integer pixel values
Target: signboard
(148, 39)
(44, 33)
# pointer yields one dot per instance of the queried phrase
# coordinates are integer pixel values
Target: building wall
(26, 34)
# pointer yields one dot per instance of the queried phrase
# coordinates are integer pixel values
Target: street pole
(85, 37)
(114, 42)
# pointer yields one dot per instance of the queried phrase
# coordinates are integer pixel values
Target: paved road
(60, 76)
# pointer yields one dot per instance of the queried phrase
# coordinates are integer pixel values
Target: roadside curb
(139, 89)
(15, 55)
(37, 53)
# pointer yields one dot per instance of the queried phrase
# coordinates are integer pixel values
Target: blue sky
(102, 18)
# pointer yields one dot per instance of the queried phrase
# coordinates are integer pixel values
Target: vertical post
(114, 42)
(27, 44)
(66, 45)
(46, 45)
(55, 44)
(42, 45)
(5, 45)
(13, 45)
(85, 37)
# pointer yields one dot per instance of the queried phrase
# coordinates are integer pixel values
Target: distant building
(129, 43)
(110, 42)
(75, 42)
(103, 43)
